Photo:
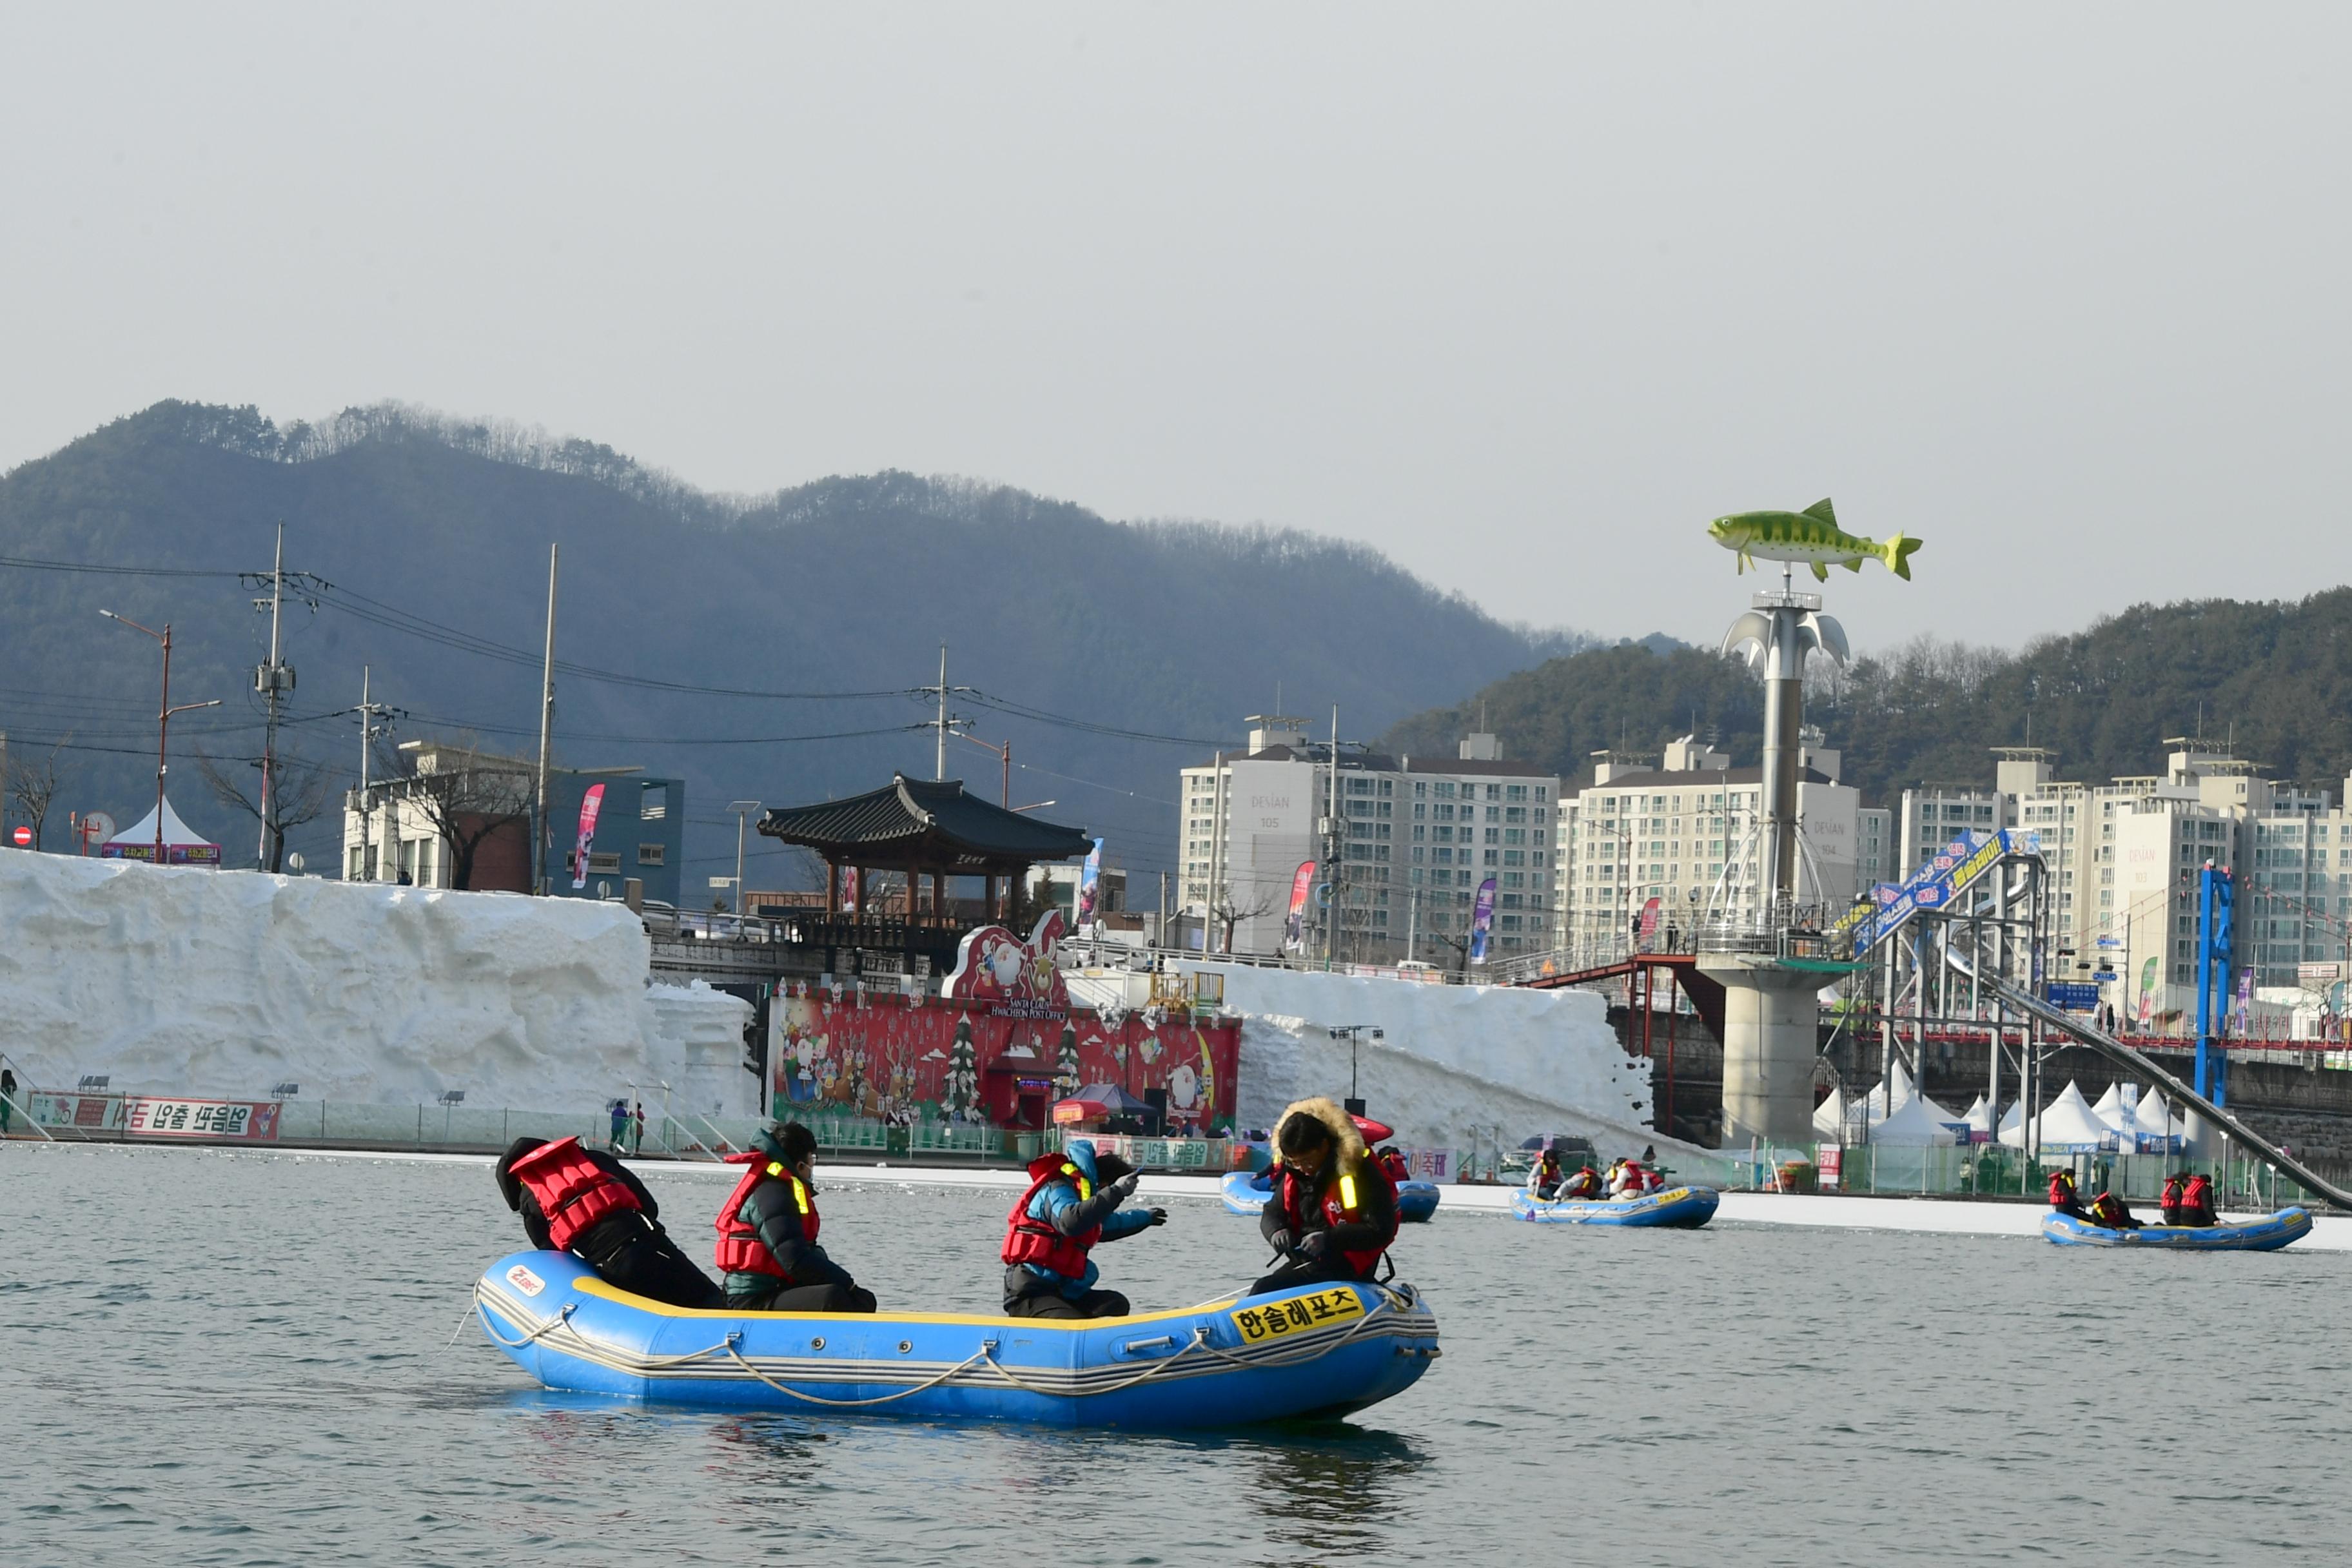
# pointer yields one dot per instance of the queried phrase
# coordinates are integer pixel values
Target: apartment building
(1687, 831)
(1417, 836)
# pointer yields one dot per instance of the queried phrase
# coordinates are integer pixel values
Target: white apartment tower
(1416, 837)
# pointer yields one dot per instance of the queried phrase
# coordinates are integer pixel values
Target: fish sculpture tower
(1769, 1011)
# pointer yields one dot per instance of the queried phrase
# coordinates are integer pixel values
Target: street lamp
(163, 719)
(1355, 1105)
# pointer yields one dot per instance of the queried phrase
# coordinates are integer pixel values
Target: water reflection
(1332, 1491)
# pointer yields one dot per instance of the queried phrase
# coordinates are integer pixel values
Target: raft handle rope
(923, 1387)
(561, 1319)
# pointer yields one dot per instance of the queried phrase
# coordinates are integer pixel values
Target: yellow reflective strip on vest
(799, 1195)
(774, 1169)
(1348, 1193)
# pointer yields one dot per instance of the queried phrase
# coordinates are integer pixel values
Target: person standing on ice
(586, 1203)
(768, 1229)
(1073, 1201)
(620, 1126)
(1334, 1212)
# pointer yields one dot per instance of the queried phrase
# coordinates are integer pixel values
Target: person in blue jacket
(1073, 1201)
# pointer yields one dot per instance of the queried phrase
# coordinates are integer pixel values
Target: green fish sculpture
(1811, 536)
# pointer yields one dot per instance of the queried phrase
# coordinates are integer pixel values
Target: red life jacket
(2062, 1189)
(1342, 1204)
(571, 1191)
(1395, 1165)
(2171, 1196)
(740, 1250)
(1028, 1240)
(2199, 1196)
(2106, 1209)
(1585, 1183)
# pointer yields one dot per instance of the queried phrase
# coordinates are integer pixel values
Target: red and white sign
(254, 1119)
(24, 838)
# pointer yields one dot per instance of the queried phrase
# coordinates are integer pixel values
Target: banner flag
(1294, 928)
(1482, 921)
(590, 804)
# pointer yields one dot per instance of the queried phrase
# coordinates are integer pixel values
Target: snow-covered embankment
(185, 981)
(1503, 1061)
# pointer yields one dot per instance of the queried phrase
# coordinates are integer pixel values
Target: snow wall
(1452, 1058)
(196, 982)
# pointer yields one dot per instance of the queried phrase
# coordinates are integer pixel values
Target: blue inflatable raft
(1245, 1193)
(2268, 1233)
(1314, 1350)
(1676, 1208)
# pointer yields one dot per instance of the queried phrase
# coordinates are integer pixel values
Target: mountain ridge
(1105, 653)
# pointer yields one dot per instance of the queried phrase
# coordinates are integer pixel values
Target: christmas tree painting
(961, 1093)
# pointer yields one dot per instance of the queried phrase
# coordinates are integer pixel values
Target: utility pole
(742, 810)
(162, 718)
(271, 678)
(1217, 850)
(367, 711)
(539, 843)
(943, 726)
(1334, 845)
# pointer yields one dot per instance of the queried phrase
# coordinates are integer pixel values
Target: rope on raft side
(561, 1319)
(985, 1354)
(848, 1403)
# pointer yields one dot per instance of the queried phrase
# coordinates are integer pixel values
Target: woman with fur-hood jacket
(1333, 1211)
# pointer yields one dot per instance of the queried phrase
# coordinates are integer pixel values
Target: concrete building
(459, 807)
(1684, 832)
(1416, 837)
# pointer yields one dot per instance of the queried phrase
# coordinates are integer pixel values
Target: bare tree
(33, 787)
(298, 794)
(1231, 909)
(467, 797)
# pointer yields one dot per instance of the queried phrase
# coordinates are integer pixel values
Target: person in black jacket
(1333, 1212)
(627, 1247)
(768, 1228)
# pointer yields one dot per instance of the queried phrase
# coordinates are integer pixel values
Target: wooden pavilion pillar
(831, 888)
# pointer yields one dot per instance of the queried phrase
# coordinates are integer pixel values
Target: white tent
(2013, 1126)
(2066, 1126)
(2159, 1131)
(183, 845)
(1917, 1124)
(1828, 1117)
(1880, 1105)
(2153, 1117)
(2111, 1108)
(1980, 1116)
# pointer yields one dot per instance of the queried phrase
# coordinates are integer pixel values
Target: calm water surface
(219, 1358)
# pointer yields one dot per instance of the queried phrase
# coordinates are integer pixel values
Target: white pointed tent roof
(1917, 1124)
(2067, 1123)
(1899, 1082)
(2013, 1126)
(1979, 1116)
(2111, 1110)
(1828, 1117)
(2150, 1117)
(174, 830)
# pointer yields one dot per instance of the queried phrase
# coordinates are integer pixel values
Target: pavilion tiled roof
(934, 824)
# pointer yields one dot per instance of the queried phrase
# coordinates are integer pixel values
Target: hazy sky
(1521, 297)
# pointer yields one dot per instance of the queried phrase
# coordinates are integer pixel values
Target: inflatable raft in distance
(1246, 1193)
(2267, 1234)
(1676, 1208)
(1312, 1350)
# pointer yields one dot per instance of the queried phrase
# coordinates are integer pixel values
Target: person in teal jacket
(1073, 1201)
